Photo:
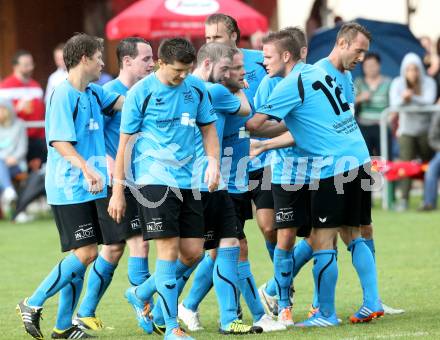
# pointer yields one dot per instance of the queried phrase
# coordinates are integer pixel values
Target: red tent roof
(164, 18)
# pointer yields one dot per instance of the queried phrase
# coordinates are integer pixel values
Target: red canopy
(165, 18)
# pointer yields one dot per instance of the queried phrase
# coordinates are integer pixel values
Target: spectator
(27, 97)
(13, 147)
(412, 87)
(372, 98)
(436, 76)
(59, 75)
(432, 176)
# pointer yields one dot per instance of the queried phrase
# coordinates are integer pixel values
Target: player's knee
(229, 242)
(87, 254)
(367, 231)
(138, 247)
(243, 250)
(286, 238)
(113, 252)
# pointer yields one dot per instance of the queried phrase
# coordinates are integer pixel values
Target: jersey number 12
(318, 85)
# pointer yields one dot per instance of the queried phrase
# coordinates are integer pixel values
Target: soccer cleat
(270, 303)
(238, 328)
(312, 311)
(31, 318)
(319, 320)
(158, 329)
(73, 332)
(269, 325)
(285, 317)
(141, 309)
(392, 311)
(90, 322)
(365, 314)
(189, 318)
(176, 334)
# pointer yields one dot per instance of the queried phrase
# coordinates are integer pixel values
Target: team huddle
(168, 156)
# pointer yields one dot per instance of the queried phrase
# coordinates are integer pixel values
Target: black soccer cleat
(31, 319)
(73, 332)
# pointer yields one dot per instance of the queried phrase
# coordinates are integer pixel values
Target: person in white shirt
(59, 75)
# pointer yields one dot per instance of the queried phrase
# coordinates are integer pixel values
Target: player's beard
(212, 79)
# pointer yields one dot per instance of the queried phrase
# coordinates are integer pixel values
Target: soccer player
(135, 59)
(322, 126)
(234, 164)
(223, 28)
(288, 173)
(348, 51)
(225, 103)
(213, 63)
(164, 110)
(75, 179)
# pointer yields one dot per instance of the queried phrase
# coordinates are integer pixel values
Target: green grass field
(408, 251)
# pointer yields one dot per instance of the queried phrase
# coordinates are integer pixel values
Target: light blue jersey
(112, 124)
(344, 80)
(224, 104)
(166, 118)
(255, 71)
(287, 165)
(76, 117)
(318, 116)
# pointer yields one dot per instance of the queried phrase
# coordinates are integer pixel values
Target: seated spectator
(432, 176)
(412, 87)
(372, 98)
(27, 97)
(59, 75)
(13, 148)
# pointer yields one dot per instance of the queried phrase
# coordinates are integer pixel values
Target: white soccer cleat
(189, 318)
(270, 325)
(270, 303)
(392, 311)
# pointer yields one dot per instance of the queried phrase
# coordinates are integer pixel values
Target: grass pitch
(407, 251)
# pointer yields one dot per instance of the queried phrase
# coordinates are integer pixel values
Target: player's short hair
(297, 34)
(176, 49)
(17, 55)
(128, 47)
(350, 30)
(229, 22)
(80, 45)
(214, 51)
(284, 41)
(372, 55)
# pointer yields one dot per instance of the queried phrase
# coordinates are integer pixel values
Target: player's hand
(117, 204)
(256, 147)
(93, 179)
(245, 84)
(212, 175)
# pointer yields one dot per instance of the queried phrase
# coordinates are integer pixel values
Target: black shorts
(261, 194)
(292, 208)
(169, 216)
(336, 204)
(243, 211)
(220, 218)
(112, 232)
(77, 224)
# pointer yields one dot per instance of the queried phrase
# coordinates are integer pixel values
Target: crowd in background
(412, 135)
